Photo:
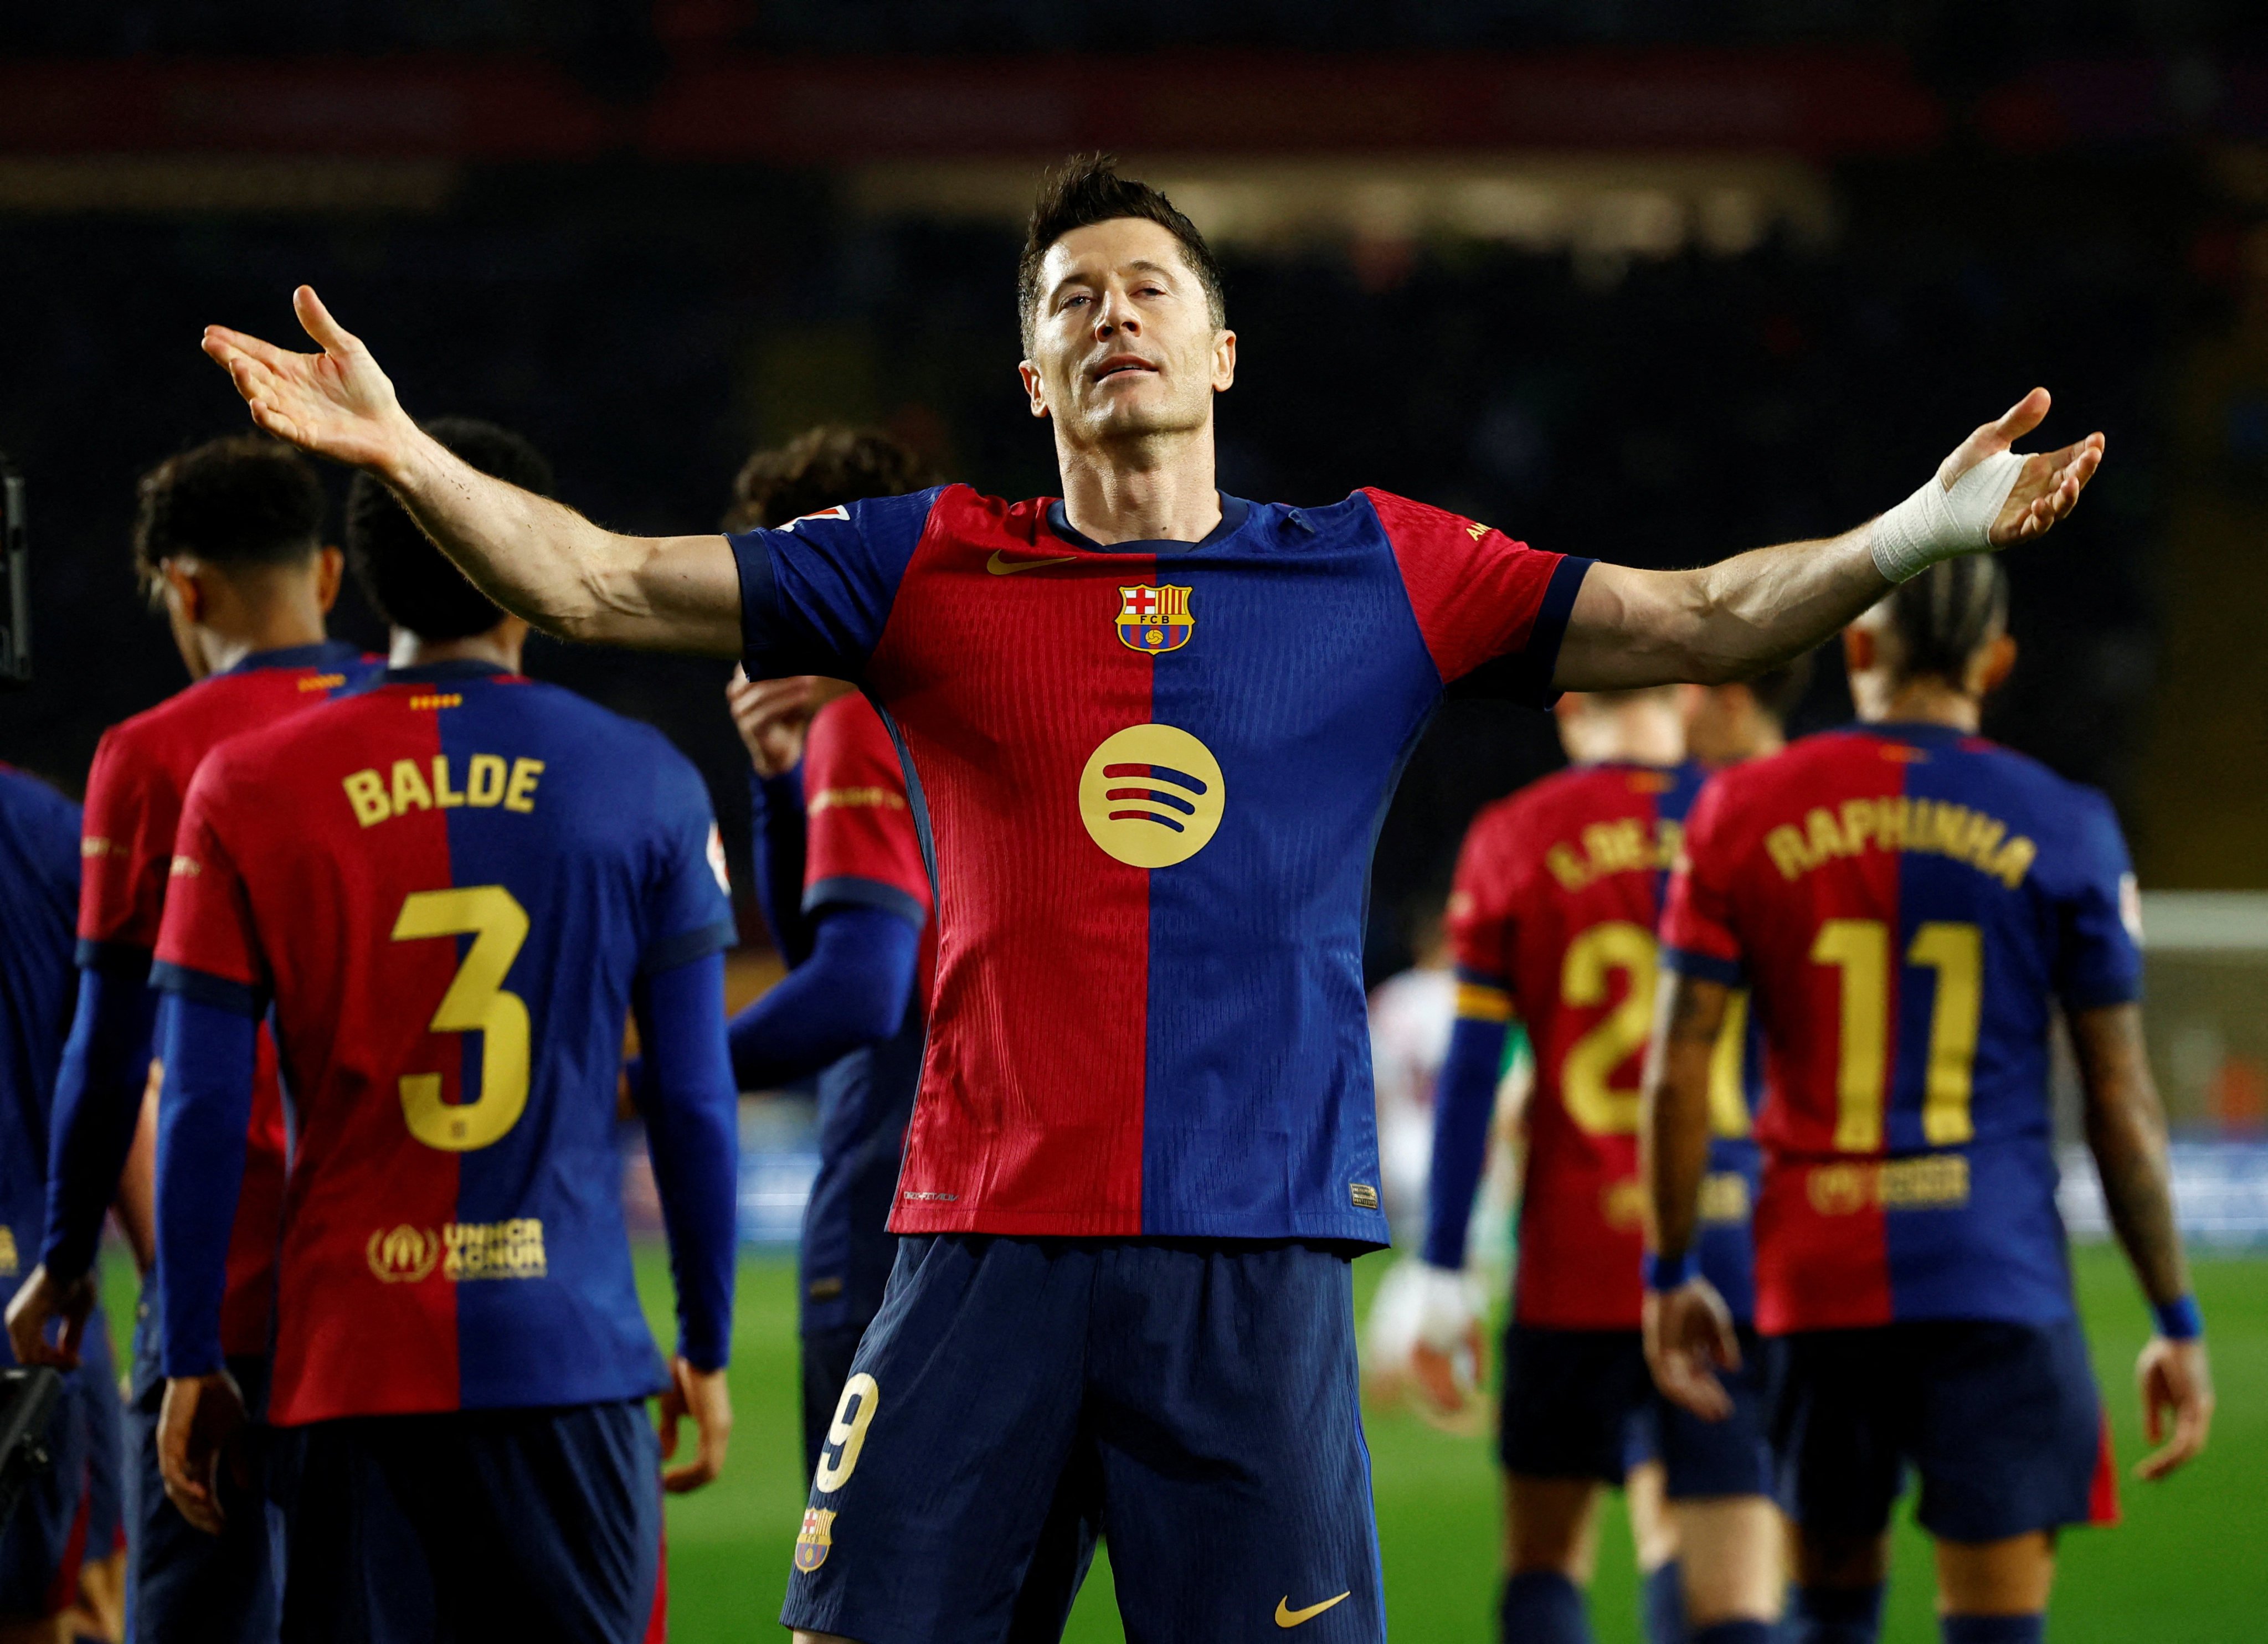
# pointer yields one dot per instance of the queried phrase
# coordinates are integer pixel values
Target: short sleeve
(1698, 934)
(689, 905)
(1481, 899)
(207, 947)
(817, 593)
(125, 845)
(862, 847)
(2099, 960)
(1492, 611)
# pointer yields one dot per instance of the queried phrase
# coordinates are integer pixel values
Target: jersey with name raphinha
(1150, 778)
(862, 850)
(134, 793)
(1908, 904)
(1552, 917)
(39, 900)
(446, 884)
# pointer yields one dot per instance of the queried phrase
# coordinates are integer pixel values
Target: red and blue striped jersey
(447, 886)
(1551, 918)
(39, 897)
(134, 789)
(1149, 778)
(1908, 904)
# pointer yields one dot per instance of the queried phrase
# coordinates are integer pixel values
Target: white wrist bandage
(1937, 523)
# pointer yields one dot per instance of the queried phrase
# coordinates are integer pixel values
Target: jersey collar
(456, 668)
(1918, 730)
(330, 651)
(1233, 511)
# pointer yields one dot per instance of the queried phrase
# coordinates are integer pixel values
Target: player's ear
(1997, 663)
(1224, 361)
(330, 565)
(184, 595)
(1034, 387)
(1860, 649)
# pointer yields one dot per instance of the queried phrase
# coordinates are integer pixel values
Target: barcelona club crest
(815, 1540)
(1152, 620)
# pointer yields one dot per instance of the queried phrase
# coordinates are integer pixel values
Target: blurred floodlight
(1600, 206)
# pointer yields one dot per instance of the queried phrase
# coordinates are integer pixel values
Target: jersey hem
(128, 961)
(1367, 1230)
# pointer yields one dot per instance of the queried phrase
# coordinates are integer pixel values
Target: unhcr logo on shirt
(462, 1251)
(1152, 795)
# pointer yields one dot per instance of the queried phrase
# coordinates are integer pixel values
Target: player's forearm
(203, 1118)
(98, 1101)
(2126, 1133)
(692, 1113)
(1632, 628)
(1674, 1108)
(543, 562)
(781, 840)
(1464, 1098)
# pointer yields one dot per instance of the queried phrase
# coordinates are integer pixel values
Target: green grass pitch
(2188, 1564)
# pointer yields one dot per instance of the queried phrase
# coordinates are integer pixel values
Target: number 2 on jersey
(1585, 1076)
(1859, 949)
(476, 1003)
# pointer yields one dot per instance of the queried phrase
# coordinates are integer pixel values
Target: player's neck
(1160, 490)
(1929, 700)
(219, 648)
(499, 647)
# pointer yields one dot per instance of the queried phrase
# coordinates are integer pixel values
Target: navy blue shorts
(1581, 1403)
(60, 1521)
(1197, 1400)
(181, 1583)
(826, 1355)
(471, 1526)
(2001, 1422)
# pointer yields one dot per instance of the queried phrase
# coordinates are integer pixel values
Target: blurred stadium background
(1643, 280)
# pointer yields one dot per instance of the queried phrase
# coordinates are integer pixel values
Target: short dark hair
(244, 499)
(1943, 616)
(408, 581)
(1779, 690)
(1085, 189)
(818, 468)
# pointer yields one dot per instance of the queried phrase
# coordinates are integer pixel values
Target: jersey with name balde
(135, 790)
(447, 886)
(1552, 919)
(1149, 778)
(1908, 904)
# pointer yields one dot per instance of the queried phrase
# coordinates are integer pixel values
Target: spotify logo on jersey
(1151, 796)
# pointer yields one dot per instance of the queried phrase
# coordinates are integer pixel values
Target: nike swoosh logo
(1287, 1617)
(1001, 565)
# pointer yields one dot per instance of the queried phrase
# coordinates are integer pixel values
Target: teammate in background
(841, 876)
(58, 1549)
(450, 887)
(1552, 918)
(1151, 728)
(229, 538)
(1746, 719)
(1910, 904)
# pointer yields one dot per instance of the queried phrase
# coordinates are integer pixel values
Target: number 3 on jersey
(476, 1003)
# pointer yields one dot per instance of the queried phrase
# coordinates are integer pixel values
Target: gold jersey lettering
(484, 780)
(494, 1250)
(490, 781)
(519, 794)
(1935, 827)
(410, 788)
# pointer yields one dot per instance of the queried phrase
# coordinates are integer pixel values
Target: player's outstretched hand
(772, 716)
(2049, 485)
(39, 1302)
(2173, 1376)
(335, 403)
(702, 1395)
(201, 1430)
(1688, 1338)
